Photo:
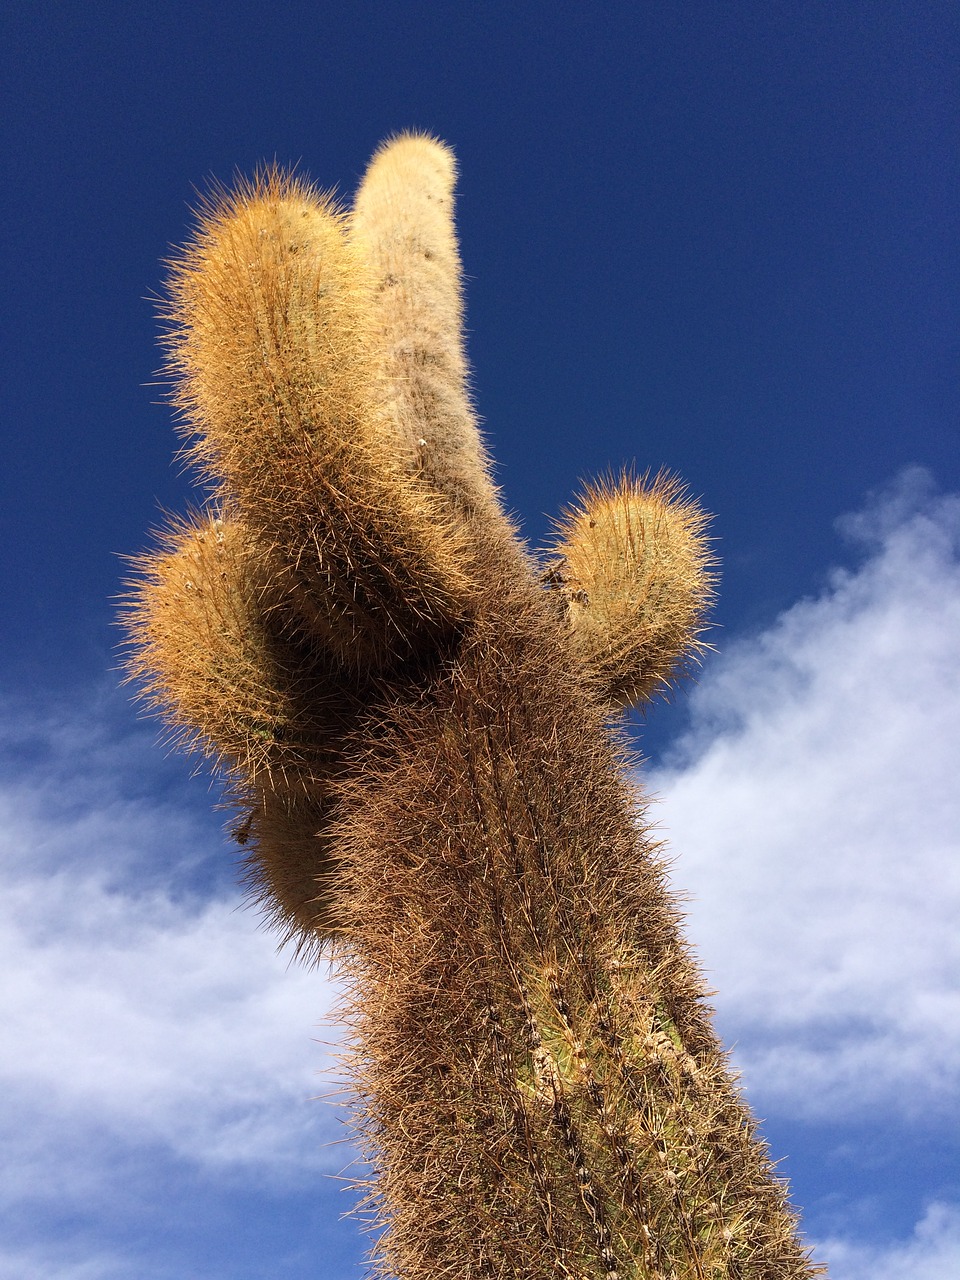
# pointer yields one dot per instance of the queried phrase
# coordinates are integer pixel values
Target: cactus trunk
(542, 1093)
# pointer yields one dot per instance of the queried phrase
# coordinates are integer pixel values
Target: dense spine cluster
(415, 715)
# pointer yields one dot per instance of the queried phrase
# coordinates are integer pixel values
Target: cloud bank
(815, 814)
(143, 1009)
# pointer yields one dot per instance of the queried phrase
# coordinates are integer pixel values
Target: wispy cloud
(815, 815)
(54, 1263)
(932, 1252)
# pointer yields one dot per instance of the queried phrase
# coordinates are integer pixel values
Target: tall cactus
(418, 717)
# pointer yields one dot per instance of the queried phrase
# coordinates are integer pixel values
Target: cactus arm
(634, 575)
(292, 868)
(403, 221)
(229, 675)
(271, 349)
(240, 682)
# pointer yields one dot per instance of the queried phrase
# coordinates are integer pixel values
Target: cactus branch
(635, 577)
(271, 351)
(403, 221)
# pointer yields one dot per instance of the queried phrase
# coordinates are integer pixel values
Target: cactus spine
(416, 716)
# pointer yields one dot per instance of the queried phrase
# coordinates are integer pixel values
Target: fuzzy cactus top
(417, 717)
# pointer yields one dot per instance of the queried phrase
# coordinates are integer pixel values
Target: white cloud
(814, 812)
(138, 1010)
(932, 1253)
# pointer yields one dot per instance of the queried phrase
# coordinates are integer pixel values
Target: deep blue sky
(719, 238)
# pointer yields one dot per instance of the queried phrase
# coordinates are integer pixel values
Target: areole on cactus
(418, 717)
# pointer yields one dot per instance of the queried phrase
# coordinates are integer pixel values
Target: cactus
(418, 718)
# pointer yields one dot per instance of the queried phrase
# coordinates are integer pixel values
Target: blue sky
(718, 238)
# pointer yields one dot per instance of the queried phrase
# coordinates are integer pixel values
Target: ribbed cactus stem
(540, 1087)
